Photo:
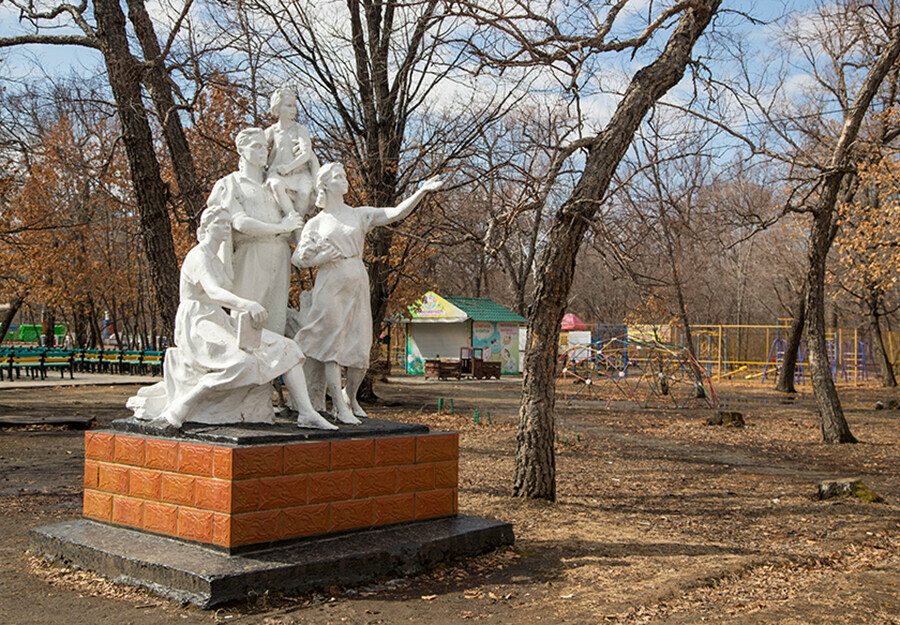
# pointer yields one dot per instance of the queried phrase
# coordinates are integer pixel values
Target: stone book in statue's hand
(249, 335)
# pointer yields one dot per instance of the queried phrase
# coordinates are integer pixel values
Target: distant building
(437, 327)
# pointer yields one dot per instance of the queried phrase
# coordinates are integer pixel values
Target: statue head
(324, 179)
(210, 216)
(251, 145)
(280, 97)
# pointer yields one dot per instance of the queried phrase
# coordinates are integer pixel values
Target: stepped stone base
(204, 577)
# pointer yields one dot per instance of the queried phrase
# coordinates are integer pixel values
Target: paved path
(81, 379)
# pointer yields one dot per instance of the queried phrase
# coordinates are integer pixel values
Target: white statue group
(221, 368)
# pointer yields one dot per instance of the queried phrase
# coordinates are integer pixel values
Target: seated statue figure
(208, 376)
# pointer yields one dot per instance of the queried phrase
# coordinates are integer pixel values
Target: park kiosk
(456, 329)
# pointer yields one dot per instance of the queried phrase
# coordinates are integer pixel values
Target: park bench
(152, 362)
(27, 359)
(62, 359)
(91, 360)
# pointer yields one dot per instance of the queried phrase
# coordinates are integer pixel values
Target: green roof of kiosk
(484, 309)
(432, 307)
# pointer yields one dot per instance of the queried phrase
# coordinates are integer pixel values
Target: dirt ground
(660, 518)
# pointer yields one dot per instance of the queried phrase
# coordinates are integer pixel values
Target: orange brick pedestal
(244, 489)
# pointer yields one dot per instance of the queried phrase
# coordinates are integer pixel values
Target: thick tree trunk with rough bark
(834, 425)
(785, 382)
(158, 84)
(823, 230)
(535, 462)
(150, 191)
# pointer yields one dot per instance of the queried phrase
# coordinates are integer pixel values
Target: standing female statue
(261, 230)
(208, 377)
(337, 327)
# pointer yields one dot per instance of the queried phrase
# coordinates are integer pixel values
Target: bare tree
(507, 187)
(532, 37)
(369, 75)
(127, 75)
(846, 74)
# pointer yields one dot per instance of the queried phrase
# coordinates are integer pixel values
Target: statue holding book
(222, 366)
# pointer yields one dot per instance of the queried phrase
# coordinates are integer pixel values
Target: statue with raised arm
(261, 230)
(337, 325)
(212, 375)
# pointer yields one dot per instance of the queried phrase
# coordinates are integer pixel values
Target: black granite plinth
(205, 578)
(283, 431)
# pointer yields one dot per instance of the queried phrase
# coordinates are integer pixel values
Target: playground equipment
(849, 360)
(649, 373)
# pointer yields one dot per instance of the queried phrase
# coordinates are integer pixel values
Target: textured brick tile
(436, 447)
(282, 492)
(97, 505)
(145, 484)
(394, 509)
(446, 474)
(332, 486)
(161, 518)
(222, 530)
(195, 459)
(244, 495)
(435, 503)
(195, 525)
(178, 489)
(352, 454)
(257, 461)
(162, 455)
(374, 482)
(91, 474)
(113, 478)
(348, 515)
(129, 450)
(395, 450)
(99, 446)
(128, 511)
(307, 457)
(255, 527)
(223, 460)
(210, 494)
(304, 521)
(415, 477)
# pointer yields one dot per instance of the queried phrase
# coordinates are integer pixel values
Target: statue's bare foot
(174, 416)
(345, 416)
(315, 421)
(354, 405)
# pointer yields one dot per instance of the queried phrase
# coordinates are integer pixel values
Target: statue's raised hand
(432, 184)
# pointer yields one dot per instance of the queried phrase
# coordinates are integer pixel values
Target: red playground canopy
(571, 321)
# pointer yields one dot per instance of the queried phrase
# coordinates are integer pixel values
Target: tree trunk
(150, 191)
(535, 463)
(834, 425)
(158, 84)
(888, 380)
(786, 374)
(11, 313)
(822, 233)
